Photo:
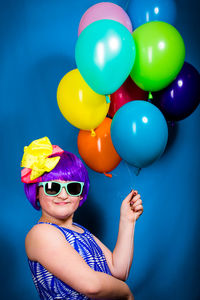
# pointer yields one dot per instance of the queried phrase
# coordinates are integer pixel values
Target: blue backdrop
(37, 48)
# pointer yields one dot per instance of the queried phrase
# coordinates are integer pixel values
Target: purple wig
(69, 168)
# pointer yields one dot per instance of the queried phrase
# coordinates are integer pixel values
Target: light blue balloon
(105, 54)
(139, 133)
(143, 11)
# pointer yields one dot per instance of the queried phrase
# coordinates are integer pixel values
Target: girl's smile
(62, 203)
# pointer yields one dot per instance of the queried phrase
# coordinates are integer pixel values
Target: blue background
(37, 49)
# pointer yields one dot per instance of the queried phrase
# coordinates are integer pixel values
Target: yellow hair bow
(36, 159)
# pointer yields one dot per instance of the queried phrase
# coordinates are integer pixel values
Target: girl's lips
(61, 203)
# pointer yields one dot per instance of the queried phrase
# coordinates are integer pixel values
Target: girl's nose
(63, 194)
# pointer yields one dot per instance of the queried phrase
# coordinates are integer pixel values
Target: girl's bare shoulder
(39, 236)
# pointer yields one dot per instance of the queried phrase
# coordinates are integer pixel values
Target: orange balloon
(98, 151)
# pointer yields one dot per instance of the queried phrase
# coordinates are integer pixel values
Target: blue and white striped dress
(49, 286)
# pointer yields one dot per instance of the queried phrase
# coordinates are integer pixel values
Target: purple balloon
(181, 97)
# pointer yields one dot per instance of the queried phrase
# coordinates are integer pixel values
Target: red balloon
(129, 91)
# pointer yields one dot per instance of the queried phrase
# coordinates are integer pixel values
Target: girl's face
(61, 206)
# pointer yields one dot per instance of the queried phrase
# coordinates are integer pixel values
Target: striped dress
(49, 286)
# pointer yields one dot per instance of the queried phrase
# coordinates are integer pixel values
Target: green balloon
(160, 54)
(105, 54)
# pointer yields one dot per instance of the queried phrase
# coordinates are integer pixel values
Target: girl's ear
(80, 198)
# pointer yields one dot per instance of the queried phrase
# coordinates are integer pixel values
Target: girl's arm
(120, 260)
(47, 245)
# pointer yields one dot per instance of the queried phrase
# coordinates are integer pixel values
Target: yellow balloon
(79, 104)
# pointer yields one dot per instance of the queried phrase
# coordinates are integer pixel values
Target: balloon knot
(107, 99)
(171, 123)
(150, 97)
(137, 171)
(93, 132)
(108, 175)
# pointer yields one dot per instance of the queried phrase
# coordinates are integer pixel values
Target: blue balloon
(139, 133)
(179, 99)
(143, 11)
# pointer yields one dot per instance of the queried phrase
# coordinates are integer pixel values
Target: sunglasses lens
(74, 188)
(52, 188)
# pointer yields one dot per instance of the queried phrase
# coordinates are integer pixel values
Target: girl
(66, 260)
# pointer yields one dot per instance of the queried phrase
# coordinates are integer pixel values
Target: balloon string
(132, 239)
(107, 175)
(93, 132)
(126, 5)
(107, 99)
(129, 173)
(137, 171)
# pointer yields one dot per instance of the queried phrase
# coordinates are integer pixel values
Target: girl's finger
(138, 214)
(129, 197)
(137, 208)
(135, 199)
(134, 194)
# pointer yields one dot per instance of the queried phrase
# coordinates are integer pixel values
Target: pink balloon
(105, 10)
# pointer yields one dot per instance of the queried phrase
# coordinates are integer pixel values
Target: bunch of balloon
(139, 130)
(159, 65)
(104, 54)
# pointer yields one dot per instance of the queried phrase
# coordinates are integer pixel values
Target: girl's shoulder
(38, 233)
(41, 229)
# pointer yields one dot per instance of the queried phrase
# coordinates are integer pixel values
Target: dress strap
(63, 229)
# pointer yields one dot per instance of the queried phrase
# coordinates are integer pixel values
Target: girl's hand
(131, 207)
(131, 297)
